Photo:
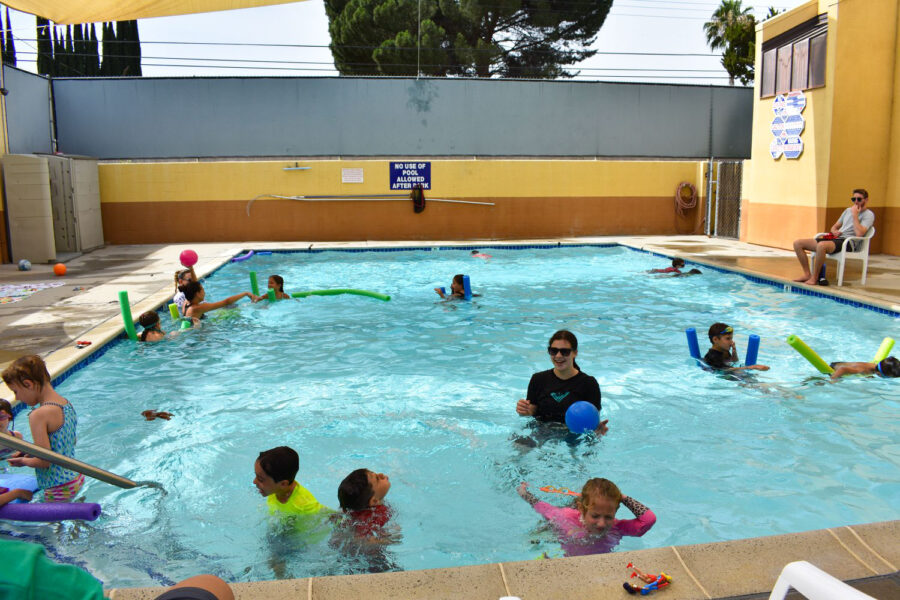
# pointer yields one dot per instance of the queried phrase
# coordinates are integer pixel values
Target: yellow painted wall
(851, 134)
(207, 200)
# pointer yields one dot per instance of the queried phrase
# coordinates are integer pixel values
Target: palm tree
(732, 28)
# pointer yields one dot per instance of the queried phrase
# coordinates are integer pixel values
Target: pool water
(425, 391)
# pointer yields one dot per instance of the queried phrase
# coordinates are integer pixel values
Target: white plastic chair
(861, 253)
(813, 583)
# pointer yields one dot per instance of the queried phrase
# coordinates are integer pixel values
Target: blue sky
(670, 29)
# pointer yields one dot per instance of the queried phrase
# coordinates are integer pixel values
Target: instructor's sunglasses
(554, 351)
(856, 199)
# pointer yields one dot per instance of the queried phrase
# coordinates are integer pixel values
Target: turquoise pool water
(425, 390)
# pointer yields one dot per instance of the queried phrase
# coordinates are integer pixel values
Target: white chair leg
(841, 270)
(865, 268)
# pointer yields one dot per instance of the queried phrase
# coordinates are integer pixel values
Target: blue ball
(582, 417)
(24, 265)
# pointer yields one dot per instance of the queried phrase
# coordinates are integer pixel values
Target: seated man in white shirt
(854, 222)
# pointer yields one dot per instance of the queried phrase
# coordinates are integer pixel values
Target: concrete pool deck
(85, 307)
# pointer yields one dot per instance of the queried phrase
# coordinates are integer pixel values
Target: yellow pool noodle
(173, 310)
(809, 354)
(883, 350)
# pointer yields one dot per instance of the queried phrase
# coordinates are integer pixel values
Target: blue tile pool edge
(785, 286)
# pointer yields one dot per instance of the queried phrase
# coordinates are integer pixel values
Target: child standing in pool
(152, 330)
(275, 282)
(361, 496)
(182, 278)
(723, 353)
(53, 424)
(592, 527)
(275, 472)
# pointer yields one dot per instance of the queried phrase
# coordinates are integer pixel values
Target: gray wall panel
(209, 117)
(27, 112)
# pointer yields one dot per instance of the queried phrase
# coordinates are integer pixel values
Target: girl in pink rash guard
(592, 527)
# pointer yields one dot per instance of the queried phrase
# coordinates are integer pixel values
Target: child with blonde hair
(53, 425)
(592, 527)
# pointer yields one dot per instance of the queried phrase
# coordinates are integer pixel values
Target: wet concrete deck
(86, 307)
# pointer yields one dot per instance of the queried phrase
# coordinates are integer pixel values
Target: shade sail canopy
(91, 11)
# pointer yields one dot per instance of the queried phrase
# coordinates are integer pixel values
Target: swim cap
(889, 367)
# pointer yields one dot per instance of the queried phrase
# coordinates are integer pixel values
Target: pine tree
(45, 47)
(109, 50)
(93, 54)
(2, 39)
(59, 54)
(80, 50)
(71, 59)
(135, 50)
(9, 47)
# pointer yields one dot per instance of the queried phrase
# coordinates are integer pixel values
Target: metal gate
(727, 205)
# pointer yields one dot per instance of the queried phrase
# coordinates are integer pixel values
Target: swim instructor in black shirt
(552, 392)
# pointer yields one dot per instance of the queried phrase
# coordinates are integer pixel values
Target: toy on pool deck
(582, 417)
(59, 269)
(654, 582)
(550, 489)
(24, 265)
(188, 258)
(17, 510)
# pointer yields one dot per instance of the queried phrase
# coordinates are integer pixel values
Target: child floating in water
(361, 495)
(275, 471)
(677, 265)
(457, 288)
(889, 367)
(477, 254)
(53, 424)
(723, 353)
(592, 527)
(152, 331)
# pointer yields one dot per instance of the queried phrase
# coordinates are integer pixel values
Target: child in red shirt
(361, 496)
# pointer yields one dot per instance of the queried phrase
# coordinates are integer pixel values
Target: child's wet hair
(717, 329)
(148, 319)
(27, 368)
(598, 488)
(280, 281)
(355, 491)
(281, 463)
(191, 289)
(458, 279)
(677, 262)
(6, 407)
(889, 367)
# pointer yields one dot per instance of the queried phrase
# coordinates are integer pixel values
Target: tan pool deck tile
(884, 539)
(753, 565)
(598, 576)
(479, 581)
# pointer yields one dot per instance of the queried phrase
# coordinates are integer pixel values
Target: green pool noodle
(254, 285)
(270, 294)
(336, 292)
(186, 323)
(125, 306)
(173, 310)
(883, 350)
(809, 354)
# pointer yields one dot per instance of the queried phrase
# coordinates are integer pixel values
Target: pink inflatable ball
(188, 258)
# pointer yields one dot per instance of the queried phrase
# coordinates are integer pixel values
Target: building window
(795, 60)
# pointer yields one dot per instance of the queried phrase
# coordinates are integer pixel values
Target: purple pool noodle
(242, 258)
(51, 511)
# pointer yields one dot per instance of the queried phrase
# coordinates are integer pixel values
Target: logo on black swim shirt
(559, 397)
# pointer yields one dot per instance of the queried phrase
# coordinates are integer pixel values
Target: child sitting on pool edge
(723, 352)
(275, 472)
(592, 527)
(361, 496)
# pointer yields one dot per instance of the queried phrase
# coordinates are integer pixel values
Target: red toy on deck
(654, 582)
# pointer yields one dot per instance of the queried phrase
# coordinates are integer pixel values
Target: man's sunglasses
(856, 199)
(554, 351)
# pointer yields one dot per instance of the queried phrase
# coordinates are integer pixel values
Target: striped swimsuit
(61, 484)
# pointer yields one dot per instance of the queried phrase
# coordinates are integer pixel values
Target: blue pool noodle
(467, 288)
(693, 344)
(752, 350)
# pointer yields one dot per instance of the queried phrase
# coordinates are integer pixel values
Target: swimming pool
(425, 391)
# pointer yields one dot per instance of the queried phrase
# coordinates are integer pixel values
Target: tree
(484, 38)
(9, 45)
(107, 65)
(93, 58)
(732, 29)
(44, 47)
